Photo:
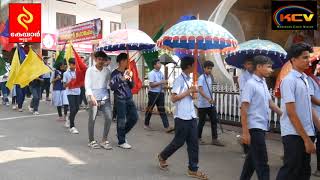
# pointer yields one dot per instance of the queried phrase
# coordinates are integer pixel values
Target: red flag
(81, 69)
(4, 37)
(136, 79)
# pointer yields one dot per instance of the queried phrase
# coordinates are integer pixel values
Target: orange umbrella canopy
(315, 56)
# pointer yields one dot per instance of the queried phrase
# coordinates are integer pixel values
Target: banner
(49, 41)
(85, 31)
(83, 47)
(25, 22)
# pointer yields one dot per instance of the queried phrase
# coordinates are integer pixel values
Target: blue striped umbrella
(197, 35)
(255, 47)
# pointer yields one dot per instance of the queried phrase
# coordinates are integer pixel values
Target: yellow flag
(69, 53)
(31, 68)
(14, 69)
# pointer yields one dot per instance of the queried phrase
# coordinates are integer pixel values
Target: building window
(64, 20)
(114, 26)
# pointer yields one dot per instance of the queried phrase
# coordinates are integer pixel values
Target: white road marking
(31, 116)
(22, 153)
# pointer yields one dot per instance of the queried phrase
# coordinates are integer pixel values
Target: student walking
(244, 77)
(35, 87)
(156, 96)
(127, 116)
(185, 121)
(314, 83)
(206, 105)
(59, 96)
(96, 86)
(73, 95)
(299, 118)
(256, 101)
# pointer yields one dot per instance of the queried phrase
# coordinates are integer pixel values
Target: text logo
(24, 22)
(294, 15)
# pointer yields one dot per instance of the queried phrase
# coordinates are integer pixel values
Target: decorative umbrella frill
(197, 35)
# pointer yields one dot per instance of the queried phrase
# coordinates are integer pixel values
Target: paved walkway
(40, 148)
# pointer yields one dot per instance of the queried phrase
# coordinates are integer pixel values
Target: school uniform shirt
(67, 77)
(58, 85)
(295, 89)
(184, 108)
(3, 78)
(256, 93)
(205, 81)
(46, 76)
(243, 79)
(315, 91)
(59, 96)
(156, 76)
(96, 82)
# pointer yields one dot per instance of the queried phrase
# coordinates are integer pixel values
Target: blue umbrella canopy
(256, 47)
(205, 36)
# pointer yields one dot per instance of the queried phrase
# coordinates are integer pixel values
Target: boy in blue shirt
(256, 101)
(299, 118)
(206, 105)
(185, 121)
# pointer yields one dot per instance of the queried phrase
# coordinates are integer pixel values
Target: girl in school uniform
(59, 96)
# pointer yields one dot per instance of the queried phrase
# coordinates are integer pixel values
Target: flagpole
(195, 64)
(127, 49)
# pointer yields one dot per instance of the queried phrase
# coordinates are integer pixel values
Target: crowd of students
(299, 109)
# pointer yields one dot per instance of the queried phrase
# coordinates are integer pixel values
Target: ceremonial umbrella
(127, 39)
(197, 37)
(255, 47)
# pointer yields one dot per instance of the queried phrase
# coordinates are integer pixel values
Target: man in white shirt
(98, 96)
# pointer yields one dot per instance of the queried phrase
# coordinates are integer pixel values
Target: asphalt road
(40, 148)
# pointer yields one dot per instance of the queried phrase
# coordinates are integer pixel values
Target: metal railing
(227, 104)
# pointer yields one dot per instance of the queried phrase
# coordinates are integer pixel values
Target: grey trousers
(107, 115)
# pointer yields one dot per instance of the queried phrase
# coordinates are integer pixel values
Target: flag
(69, 53)
(21, 52)
(31, 69)
(150, 57)
(15, 66)
(81, 69)
(4, 38)
(159, 33)
(60, 57)
(3, 69)
(135, 77)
